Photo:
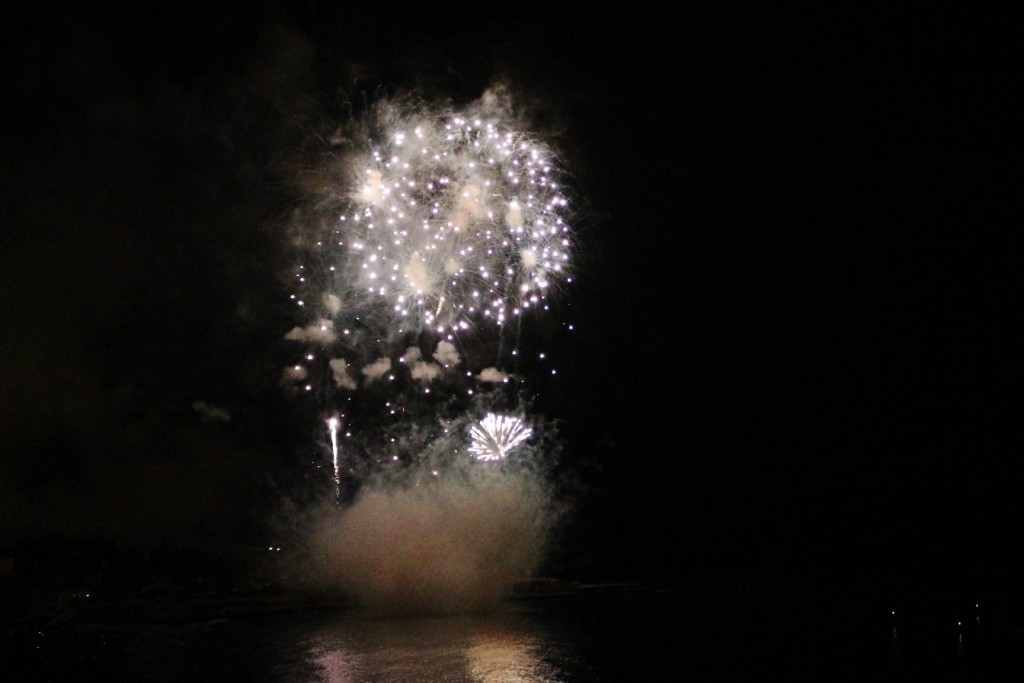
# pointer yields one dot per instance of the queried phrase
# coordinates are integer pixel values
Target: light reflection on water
(487, 648)
(568, 637)
(571, 639)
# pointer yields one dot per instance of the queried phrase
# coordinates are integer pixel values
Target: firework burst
(448, 219)
(494, 436)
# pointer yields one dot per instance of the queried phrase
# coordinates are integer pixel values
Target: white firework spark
(453, 218)
(495, 435)
(332, 424)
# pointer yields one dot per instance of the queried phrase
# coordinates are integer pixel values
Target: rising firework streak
(332, 424)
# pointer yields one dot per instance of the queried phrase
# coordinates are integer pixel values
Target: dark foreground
(547, 631)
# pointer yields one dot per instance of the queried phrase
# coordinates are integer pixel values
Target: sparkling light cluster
(494, 436)
(453, 219)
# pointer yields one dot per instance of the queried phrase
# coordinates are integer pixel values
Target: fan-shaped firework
(495, 435)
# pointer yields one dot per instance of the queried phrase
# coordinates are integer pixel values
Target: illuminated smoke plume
(492, 376)
(453, 545)
(342, 380)
(322, 332)
(332, 304)
(425, 372)
(446, 354)
(411, 355)
(294, 373)
(377, 369)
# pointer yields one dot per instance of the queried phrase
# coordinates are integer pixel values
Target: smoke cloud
(425, 371)
(377, 368)
(412, 354)
(320, 332)
(443, 545)
(332, 304)
(211, 413)
(492, 375)
(446, 354)
(294, 373)
(342, 379)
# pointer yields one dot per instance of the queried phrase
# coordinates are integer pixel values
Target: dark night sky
(793, 299)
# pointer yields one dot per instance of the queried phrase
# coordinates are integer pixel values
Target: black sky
(793, 302)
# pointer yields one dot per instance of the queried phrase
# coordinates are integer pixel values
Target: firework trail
(332, 425)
